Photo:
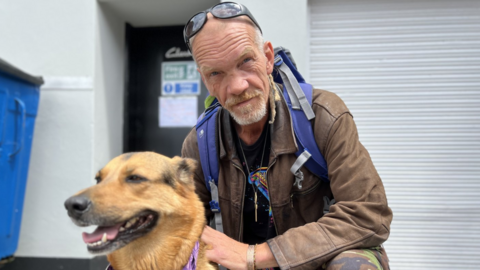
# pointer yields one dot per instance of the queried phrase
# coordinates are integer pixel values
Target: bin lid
(10, 69)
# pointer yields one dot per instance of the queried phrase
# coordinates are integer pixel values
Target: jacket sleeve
(360, 218)
(190, 150)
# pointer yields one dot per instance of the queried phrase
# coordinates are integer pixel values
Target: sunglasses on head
(225, 10)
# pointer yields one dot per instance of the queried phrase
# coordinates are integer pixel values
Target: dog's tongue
(98, 233)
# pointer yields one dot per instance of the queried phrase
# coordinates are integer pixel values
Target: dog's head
(135, 192)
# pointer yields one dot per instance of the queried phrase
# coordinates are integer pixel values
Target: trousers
(359, 259)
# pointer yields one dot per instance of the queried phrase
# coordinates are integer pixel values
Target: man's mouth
(244, 102)
(106, 239)
(243, 99)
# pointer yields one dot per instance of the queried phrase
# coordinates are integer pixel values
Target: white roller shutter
(410, 73)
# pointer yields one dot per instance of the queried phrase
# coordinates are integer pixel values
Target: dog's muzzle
(77, 206)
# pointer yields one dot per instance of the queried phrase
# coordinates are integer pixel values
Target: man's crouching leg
(359, 259)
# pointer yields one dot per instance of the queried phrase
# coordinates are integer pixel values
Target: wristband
(251, 257)
(254, 257)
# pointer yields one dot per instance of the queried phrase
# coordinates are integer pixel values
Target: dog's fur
(146, 184)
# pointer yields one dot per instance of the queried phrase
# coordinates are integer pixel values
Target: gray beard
(252, 117)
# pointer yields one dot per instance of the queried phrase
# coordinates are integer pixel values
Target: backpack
(298, 95)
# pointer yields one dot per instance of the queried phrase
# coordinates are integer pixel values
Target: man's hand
(232, 254)
(224, 250)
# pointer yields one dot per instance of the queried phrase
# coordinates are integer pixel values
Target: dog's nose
(77, 205)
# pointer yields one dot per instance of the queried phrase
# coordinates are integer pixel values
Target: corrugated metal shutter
(410, 73)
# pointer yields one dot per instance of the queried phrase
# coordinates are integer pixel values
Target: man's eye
(212, 74)
(247, 59)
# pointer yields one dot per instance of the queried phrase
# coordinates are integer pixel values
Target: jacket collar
(281, 131)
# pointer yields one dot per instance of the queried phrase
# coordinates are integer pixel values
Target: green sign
(180, 78)
(180, 71)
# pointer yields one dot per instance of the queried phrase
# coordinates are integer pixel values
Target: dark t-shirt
(256, 232)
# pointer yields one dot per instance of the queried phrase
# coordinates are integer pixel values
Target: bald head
(220, 29)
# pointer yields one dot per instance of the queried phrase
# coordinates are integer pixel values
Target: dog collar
(192, 261)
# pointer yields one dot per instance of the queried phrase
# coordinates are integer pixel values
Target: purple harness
(192, 261)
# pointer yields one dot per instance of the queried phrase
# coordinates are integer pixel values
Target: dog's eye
(98, 179)
(135, 178)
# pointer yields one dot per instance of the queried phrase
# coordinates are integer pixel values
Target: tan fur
(170, 192)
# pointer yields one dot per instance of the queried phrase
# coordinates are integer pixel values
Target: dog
(147, 212)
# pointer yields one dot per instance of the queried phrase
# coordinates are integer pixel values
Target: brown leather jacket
(307, 237)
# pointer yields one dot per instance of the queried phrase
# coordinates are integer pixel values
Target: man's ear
(270, 55)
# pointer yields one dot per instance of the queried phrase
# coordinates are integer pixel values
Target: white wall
(284, 23)
(109, 86)
(54, 39)
(48, 37)
(60, 164)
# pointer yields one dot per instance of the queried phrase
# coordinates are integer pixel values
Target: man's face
(233, 68)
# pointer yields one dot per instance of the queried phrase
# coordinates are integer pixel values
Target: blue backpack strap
(206, 134)
(308, 152)
(207, 148)
(298, 95)
(286, 57)
(290, 82)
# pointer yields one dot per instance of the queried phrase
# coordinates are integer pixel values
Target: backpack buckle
(298, 179)
(278, 60)
(295, 169)
(214, 206)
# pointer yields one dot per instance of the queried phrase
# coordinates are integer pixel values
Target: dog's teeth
(121, 229)
(99, 242)
(129, 223)
(95, 243)
(104, 238)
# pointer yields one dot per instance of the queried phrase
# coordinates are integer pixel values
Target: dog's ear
(184, 168)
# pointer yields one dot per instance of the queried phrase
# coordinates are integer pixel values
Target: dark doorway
(147, 49)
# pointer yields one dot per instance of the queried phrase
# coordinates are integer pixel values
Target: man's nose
(237, 84)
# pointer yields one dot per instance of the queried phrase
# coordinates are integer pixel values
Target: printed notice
(177, 112)
(180, 78)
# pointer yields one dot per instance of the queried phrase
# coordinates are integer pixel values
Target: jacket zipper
(270, 194)
(294, 140)
(243, 201)
(303, 193)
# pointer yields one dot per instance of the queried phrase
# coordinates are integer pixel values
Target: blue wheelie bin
(19, 95)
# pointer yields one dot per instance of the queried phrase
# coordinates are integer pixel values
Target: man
(293, 228)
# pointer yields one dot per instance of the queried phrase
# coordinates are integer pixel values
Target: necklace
(255, 188)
